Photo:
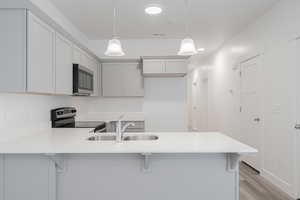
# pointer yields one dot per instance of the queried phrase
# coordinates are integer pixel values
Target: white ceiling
(211, 21)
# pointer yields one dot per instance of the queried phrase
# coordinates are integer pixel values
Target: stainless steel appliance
(65, 118)
(83, 80)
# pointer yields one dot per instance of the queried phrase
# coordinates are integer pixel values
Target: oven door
(83, 80)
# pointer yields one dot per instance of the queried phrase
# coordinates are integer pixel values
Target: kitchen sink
(125, 138)
(102, 138)
(140, 137)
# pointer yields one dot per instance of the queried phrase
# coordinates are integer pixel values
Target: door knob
(297, 126)
(258, 120)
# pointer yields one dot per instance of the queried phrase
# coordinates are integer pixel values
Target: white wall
(24, 114)
(165, 104)
(197, 101)
(163, 107)
(269, 33)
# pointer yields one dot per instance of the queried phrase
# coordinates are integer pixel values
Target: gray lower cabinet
(31, 177)
(122, 80)
(118, 177)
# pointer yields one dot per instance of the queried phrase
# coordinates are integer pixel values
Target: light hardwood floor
(255, 187)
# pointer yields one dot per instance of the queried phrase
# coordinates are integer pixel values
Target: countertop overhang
(69, 140)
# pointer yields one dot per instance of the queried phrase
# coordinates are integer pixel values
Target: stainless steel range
(65, 118)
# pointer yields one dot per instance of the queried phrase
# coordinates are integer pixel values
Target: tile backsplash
(20, 114)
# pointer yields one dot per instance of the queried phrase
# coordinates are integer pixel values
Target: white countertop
(71, 140)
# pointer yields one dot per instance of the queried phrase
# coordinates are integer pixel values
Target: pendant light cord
(186, 18)
(114, 19)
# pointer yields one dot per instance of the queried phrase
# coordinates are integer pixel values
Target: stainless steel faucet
(120, 130)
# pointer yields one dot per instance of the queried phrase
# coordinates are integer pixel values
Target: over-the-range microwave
(83, 80)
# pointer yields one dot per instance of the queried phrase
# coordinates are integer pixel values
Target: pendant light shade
(114, 48)
(187, 47)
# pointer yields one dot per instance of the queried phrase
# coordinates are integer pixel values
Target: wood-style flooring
(255, 187)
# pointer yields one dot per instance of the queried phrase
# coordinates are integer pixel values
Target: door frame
(260, 153)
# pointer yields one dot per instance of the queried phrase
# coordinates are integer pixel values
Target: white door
(280, 72)
(295, 63)
(250, 109)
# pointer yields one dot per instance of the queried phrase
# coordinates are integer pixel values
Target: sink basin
(140, 137)
(102, 138)
(126, 138)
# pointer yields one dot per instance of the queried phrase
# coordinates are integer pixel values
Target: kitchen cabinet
(164, 67)
(153, 66)
(40, 56)
(122, 80)
(36, 58)
(176, 67)
(28, 177)
(63, 66)
(76, 55)
(94, 66)
(80, 57)
(13, 50)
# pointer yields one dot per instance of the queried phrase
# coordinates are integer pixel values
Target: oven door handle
(98, 129)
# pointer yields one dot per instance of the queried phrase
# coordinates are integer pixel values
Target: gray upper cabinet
(40, 60)
(176, 67)
(36, 58)
(153, 66)
(63, 65)
(164, 67)
(122, 80)
(13, 50)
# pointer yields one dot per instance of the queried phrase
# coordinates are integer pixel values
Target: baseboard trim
(245, 163)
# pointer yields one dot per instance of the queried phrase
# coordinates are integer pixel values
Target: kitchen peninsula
(62, 164)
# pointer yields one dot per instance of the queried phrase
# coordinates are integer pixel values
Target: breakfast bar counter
(62, 164)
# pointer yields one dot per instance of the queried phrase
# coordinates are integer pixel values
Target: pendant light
(187, 47)
(114, 47)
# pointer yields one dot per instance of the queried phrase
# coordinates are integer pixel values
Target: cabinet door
(99, 79)
(94, 68)
(40, 56)
(13, 50)
(176, 67)
(63, 66)
(76, 55)
(29, 177)
(153, 67)
(84, 59)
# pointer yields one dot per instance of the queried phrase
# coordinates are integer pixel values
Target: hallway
(255, 187)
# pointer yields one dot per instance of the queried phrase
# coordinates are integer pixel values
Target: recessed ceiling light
(200, 49)
(153, 9)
